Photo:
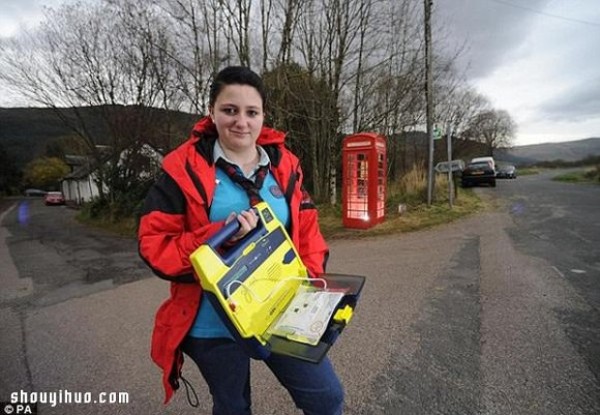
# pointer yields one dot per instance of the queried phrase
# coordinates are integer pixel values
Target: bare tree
(364, 32)
(94, 58)
(393, 101)
(237, 16)
(339, 66)
(266, 24)
(494, 128)
(460, 107)
(339, 31)
(291, 11)
(297, 102)
(195, 29)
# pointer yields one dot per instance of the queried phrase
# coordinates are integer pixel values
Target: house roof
(82, 171)
(90, 165)
(75, 160)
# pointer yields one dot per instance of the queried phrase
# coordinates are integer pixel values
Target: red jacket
(175, 222)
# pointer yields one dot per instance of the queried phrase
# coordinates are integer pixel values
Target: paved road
(495, 314)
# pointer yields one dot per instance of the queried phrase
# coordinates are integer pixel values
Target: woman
(204, 186)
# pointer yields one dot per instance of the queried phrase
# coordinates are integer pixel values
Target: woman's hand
(248, 220)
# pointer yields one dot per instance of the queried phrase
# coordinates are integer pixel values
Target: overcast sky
(537, 59)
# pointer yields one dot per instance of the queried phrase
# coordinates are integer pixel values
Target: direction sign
(454, 165)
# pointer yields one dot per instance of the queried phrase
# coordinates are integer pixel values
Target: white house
(81, 185)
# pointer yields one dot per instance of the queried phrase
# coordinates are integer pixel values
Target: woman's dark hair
(236, 75)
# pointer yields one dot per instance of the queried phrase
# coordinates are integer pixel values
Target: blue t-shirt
(230, 197)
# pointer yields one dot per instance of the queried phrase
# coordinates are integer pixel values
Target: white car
(489, 160)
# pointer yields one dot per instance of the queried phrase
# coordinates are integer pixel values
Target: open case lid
(352, 286)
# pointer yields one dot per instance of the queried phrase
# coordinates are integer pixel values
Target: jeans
(315, 388)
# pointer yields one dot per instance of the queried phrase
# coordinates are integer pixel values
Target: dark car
(478, 173)
(506, 172)
(54, 198)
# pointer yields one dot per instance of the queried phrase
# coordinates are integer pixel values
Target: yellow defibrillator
(265, 296)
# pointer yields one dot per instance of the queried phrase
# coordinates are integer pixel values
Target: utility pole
(429, 98)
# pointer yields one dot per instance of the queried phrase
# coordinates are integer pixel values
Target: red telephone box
(364, 180)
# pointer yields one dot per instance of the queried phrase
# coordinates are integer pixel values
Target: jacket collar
(184, 164)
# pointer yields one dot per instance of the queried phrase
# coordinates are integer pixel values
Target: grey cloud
(15, 9)
(579, 103)
(15, 13)
(489, 29)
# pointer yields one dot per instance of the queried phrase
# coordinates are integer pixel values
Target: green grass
(526, 171)
(591, 175)
(417, 216)
(125, 227)
(410, 191)
(572, 177)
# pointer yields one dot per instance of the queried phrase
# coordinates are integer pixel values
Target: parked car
(487, 159)
(54, 198)
(478, 173)
(506, 172)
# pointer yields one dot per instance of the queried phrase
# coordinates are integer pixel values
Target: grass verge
(526, 171)
(410, 191)
(591, 175)
(125, 227)
(417, 216)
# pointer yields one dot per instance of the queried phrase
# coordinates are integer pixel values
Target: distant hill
(25, 132)
(566, 151)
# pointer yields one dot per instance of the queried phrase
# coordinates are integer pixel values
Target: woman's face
(238, 116)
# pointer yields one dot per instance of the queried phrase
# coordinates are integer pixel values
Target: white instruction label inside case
(307, 316)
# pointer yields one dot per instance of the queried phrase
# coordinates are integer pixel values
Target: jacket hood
(268, 136)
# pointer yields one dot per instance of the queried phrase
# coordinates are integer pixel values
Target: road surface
(494, 314)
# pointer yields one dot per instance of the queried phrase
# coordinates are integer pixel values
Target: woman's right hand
(248, 220)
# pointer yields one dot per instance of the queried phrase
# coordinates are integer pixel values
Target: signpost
(449, 166)
(450, 181)
(452, 166)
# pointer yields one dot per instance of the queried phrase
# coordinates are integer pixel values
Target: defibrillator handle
(226, 232)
